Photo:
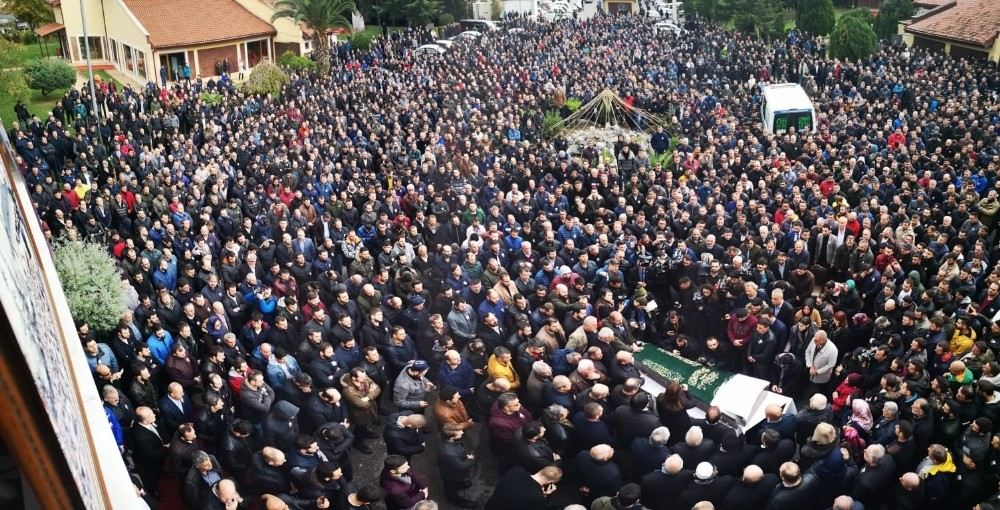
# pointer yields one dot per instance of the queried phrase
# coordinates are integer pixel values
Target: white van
(784, 106)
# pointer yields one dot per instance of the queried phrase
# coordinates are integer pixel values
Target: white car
(668, 26)
(430, 49)
(444, 42)
(469, 34)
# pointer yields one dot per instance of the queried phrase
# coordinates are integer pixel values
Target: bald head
(501, 383)
(145, 415)
(773, 412)
(673, 465)
(752, 474)
(910, 481)
(225, 489)
(602, 452)
(273, 456)
(843, 503)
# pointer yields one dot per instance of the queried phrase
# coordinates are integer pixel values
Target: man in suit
(176, 409)
(661, 487)
(304, 245)
(148, 449)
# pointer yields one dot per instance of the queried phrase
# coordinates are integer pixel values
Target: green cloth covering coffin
(663, 367)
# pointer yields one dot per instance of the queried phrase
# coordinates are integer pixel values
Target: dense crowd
(398, 248)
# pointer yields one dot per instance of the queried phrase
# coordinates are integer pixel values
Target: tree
(889, 16)
(266, 78)
(11, 54)
(717, 10)
(765, 18)
(852, 39)
(816, 17)
(49, 74)
(321, 16)
(296, 63)
(32, 12)
(94, 290)
(417, 12)
(863, 14)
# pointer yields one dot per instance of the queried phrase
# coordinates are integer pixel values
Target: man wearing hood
(281, 426)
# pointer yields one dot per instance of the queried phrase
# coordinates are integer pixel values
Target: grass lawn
(37, 105)
(106, 76)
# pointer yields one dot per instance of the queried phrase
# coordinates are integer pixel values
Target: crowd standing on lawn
(397, 248)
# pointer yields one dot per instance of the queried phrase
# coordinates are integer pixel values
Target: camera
(865, 356)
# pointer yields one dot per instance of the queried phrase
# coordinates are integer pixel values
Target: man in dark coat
(266, 473)
(795, 491)
(649, 453)
(874, 477)
(530, 449)
(281, 426)
(403, 435)
(323, 407)
(198, 481)
(751, 491)
(595, 474)
(773, 452)
(175, 408)
(819, 411)
(521, 490)
(695, 448)
(707, 485)
(456, 466)
(236, 450)
(733, 455)
(634, 420)
(148, 449)
(661, 487)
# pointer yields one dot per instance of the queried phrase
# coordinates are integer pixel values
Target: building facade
(142, 37)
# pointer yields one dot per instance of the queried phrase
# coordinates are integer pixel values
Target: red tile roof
(175, 23)
(975, 22)
(48, 28)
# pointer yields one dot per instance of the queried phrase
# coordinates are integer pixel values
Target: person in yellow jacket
(962, 339)
(500, 364)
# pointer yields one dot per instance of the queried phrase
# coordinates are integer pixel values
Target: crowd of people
(396, 251)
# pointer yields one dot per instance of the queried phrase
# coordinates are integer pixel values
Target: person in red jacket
(506, 417)
(404, 487)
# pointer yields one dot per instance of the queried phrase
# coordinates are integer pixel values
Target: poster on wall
(47, 339)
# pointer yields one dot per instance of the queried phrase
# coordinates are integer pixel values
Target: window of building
(114, 51)
(129, 56)
(140, 63)
(96, 48)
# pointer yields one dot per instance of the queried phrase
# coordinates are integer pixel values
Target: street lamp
(90, 66)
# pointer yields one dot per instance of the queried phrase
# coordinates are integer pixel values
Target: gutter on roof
(271, 33)
(966, 42)
(934, 11)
